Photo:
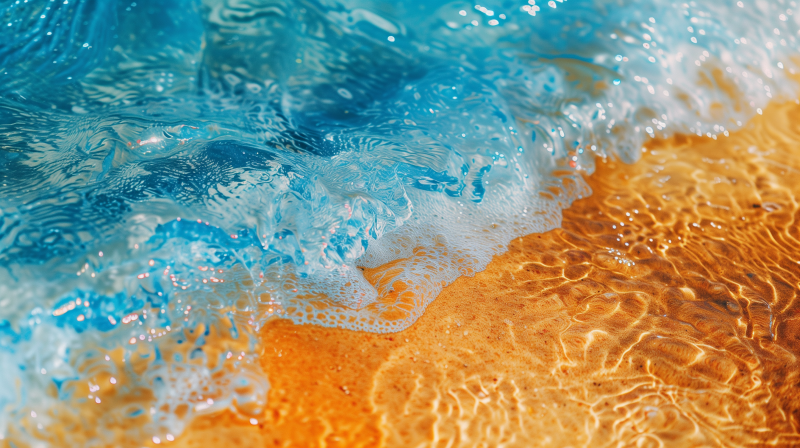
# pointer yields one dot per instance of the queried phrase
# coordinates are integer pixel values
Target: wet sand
(664, 312)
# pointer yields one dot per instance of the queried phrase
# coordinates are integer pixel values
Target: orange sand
(559, 344)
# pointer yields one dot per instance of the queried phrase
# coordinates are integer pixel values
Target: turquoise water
(224, 162)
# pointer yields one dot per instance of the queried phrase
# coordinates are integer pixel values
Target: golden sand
(664, 312)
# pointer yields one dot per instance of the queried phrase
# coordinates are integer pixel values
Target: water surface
(178, 175)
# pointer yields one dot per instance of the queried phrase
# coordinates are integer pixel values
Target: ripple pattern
(662, 313)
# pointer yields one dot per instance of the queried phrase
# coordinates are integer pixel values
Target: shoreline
(690, 341)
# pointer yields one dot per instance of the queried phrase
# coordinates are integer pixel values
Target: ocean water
(177, 174)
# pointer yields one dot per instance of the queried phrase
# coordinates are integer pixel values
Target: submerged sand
(664, 312)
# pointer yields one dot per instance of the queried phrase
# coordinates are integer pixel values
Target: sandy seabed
(664, 312)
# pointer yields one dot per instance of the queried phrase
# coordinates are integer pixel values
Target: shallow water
(179, 176)
(680, 328)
